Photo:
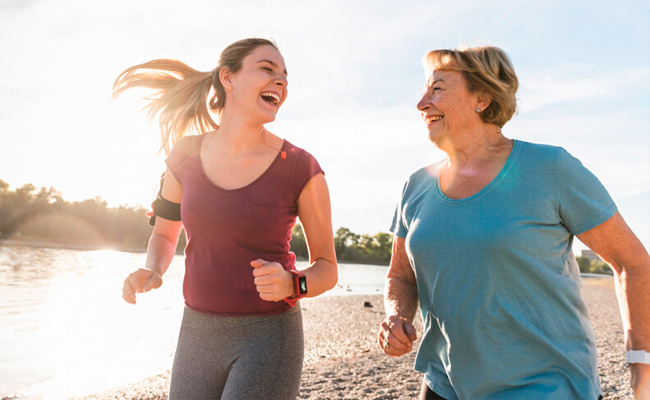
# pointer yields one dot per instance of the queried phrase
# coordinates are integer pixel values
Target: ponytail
(179, 100)
(181, 93)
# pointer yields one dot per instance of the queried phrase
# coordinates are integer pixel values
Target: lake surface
(65, 330)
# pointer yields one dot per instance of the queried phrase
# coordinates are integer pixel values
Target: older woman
(483, 244)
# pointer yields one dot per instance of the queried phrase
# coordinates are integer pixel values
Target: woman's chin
(435, 137)
(269, 117)
(265, 118)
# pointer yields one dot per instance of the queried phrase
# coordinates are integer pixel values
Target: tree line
(32, 215)
(28, 214)
(593, 266)
(349, 246)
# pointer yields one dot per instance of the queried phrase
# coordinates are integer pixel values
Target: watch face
(302, 284)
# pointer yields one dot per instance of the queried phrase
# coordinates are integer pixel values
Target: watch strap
(637, 357)
(297, 275)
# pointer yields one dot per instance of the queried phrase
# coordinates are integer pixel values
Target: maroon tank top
(227, 229)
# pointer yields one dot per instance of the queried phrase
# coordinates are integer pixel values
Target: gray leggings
(231, 358)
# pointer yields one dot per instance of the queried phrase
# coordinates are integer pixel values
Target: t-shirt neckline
(262, 175)
(516, 144)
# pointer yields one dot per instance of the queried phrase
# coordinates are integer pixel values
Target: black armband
(165, 208)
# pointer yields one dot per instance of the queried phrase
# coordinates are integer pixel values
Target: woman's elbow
(331, 276)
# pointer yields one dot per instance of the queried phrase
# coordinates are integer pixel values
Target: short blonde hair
(486, 69)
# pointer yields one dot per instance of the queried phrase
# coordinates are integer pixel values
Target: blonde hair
(181, 93)
(486, 69)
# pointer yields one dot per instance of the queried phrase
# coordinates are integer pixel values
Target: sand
(343, 361)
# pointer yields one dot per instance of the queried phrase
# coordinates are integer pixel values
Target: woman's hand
(396, 336)
(140, 281)
(272, 282)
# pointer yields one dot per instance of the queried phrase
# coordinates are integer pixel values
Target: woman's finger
(396, 343)
(154, 282)
(128, 294)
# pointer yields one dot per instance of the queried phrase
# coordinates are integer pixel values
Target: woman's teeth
(271, 98)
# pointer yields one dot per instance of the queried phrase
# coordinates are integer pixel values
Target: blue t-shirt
(498, 285)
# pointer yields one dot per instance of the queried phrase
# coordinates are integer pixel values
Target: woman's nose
(423, 104)
(282, 81)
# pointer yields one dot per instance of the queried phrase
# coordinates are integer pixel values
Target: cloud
(563, 84)
(16, 5)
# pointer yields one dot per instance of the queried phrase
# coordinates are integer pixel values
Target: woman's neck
(236, 136)
(471, 148)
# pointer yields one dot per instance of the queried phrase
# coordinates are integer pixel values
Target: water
(65, 330)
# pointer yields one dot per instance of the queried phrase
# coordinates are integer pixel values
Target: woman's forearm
(401, 297)
(321, 275)
(633, 292)
(160, 252)
(401, 290)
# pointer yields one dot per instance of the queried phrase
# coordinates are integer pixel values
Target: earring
(478, 110)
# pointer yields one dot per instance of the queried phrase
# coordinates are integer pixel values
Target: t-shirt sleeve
(398, 226)
(583, 201)
(178, 156)
(306, 168)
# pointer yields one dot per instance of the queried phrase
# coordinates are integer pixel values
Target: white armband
(637, 357)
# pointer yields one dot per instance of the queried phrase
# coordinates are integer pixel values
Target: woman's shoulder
(541, 149)
(301, 158)
(539, 153)
(423, 178)
(428, 172)
(292, 149)
(189, 142)
(184, 149)
(186, 146)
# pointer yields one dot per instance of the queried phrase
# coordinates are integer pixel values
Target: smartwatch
(637, 357)
(299, 286)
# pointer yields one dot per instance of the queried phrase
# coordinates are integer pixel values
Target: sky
(355, 75)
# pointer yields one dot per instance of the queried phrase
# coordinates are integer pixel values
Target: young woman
(236, 190)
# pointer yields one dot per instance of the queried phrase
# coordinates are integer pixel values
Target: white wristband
(637, 357)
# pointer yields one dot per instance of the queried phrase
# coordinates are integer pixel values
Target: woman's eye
(267, 69)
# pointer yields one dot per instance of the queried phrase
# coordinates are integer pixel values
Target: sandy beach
(343, 361)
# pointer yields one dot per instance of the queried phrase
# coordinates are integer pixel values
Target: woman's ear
(483, 99)
(225, 76)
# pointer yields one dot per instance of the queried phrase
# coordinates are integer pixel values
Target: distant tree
(5, 197)
(43, 215)
(384, 246)
(362, 248)
(584, 264)
(600, 267)
(588, 266)
(345, 242)
(17, 207)
(298, 242)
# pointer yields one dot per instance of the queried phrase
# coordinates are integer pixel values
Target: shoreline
(41, 243)
(70, 246)
(343, 361)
